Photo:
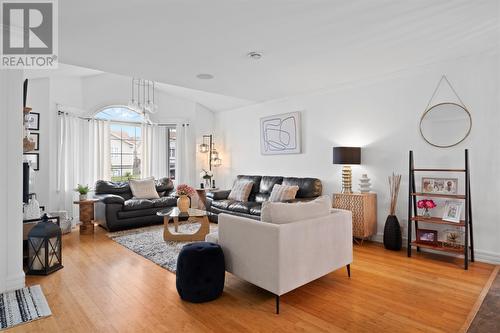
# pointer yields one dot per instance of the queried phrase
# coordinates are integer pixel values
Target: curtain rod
(115, 121)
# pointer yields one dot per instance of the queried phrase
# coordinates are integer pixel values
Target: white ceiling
(63, 70)
(308, 45)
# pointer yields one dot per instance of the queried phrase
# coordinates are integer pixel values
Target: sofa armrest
(310, 249)
(218, 195)
(110, 199)
(250, 249)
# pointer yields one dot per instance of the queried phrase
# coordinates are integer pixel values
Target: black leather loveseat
(117, 209)
(217, 201)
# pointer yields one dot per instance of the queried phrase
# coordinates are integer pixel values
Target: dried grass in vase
(394, 183)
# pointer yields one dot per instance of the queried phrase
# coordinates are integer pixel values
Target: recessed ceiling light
(205, 76)
(255, 55)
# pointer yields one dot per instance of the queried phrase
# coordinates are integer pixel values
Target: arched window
(125, 136)
(126, 142)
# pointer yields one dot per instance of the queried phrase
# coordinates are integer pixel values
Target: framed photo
(427, 236)
(35, 137)
(452, 211)
(440, 185)
(33, 159)
(33, 121)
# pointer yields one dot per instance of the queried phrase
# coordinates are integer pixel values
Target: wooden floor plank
(104, 287)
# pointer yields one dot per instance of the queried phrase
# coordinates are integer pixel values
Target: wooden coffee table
(191, 216)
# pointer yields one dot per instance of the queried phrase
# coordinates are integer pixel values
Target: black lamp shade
(346, 155)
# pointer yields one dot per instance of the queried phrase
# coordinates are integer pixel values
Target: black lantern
(44, 243)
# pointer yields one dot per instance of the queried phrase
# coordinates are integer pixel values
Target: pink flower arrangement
(426, 204)
(184, 189)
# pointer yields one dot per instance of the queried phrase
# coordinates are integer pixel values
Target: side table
(364, 212)
(202, 195)
(86, 216)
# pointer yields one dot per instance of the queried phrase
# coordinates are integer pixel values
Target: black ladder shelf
(468, 250)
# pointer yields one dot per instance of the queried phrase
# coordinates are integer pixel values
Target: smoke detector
(255, 55)
(205, 76)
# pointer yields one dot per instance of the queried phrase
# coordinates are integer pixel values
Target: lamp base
(346, 179)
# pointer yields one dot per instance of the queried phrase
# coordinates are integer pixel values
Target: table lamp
(347, 156)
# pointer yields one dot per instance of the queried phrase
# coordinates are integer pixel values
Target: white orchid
(206, 174)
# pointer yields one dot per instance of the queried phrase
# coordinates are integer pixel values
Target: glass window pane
(125, 142)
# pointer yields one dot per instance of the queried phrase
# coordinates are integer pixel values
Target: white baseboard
(487, 256)
(480, 255)
(14, 282)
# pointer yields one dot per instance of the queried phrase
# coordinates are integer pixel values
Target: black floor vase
(392, 234)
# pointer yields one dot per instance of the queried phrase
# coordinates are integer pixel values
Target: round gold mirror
(445, 125)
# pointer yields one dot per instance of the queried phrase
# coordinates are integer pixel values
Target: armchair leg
(277, 304)
(348, 270)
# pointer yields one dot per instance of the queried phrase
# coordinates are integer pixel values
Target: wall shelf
(439, 247)
(437, 220)
(438, 195)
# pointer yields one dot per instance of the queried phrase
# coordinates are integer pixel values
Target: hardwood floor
(106, 288)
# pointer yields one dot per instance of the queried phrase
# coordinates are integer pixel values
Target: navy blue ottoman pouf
(200, 272)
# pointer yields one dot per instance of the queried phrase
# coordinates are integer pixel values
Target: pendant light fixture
(143, 97)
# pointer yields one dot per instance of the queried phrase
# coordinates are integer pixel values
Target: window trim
(116, 106)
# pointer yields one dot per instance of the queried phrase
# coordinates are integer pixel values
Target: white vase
(364, 184)
(83, 197)
(32, 210)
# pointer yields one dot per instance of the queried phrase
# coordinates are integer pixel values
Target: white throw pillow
(241, 191)
(282, 212)
(144, 188)
(283, 192)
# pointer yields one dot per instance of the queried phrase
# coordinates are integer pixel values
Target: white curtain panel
(99, 160)
(185, 155)
(154, 151)
(82, 157)
(69, 132)
(160, 156)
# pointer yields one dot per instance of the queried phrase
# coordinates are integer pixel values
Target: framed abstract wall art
(280, 134)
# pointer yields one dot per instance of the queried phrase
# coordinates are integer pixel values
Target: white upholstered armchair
(285, 256)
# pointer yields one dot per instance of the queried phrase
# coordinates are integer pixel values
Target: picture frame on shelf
(439, 185)
(454, 238)
(427, 236)
(452, 211)
(35, 137)
(33, 121)
(33, 159)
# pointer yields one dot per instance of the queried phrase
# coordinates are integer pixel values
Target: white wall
(89, 94)
(11, 236)
(43, 95)
(382, 117)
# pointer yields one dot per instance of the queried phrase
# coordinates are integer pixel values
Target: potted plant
(83, 190)
(392, 229)
(128, 175)
(207, 176)
(184, 191)
(426, 204)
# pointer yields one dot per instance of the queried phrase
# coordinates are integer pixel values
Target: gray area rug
(148, 242)
(488, 317)
(22, 306)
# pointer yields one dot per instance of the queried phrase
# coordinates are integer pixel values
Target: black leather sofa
(118, 210)
(217, 201)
